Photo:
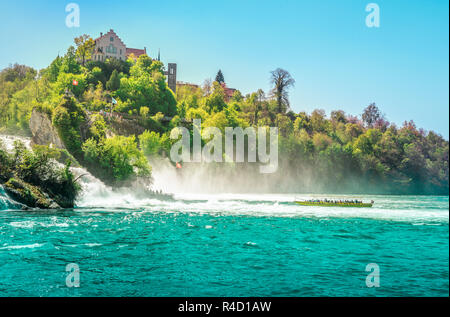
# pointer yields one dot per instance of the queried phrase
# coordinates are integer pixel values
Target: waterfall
(6, 202)
(8, 141)
(93, 191)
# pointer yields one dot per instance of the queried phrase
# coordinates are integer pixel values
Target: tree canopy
(85, 46)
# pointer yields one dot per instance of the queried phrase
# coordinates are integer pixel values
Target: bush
(38, 168)
(153, 143)
(118, 157)
(114, 81)
(67, 118)
(5, 163)
(98, 127)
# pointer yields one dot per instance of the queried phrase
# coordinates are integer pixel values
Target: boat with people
(335, 203)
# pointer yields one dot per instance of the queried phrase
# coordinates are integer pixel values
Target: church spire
(159, 55)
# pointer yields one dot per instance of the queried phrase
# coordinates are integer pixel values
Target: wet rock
(28, 194)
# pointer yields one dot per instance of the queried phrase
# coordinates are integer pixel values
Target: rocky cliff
(42, 130)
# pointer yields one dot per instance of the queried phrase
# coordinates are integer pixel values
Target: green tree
(146, 86)
(96, 75)
(114, 81)
(85, 46)
(318, 121)
(338, 116)
(219, 77)
(371, 115)
(118, 157)
(215, 102)
(152, 142)
(284, 124)
(69, 64)
(302, 122)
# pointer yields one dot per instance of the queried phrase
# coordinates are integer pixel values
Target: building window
(171, 71)
(111, 49)
(111, 39)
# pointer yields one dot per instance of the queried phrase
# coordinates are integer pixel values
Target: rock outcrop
(28, 194)
(124, 126)
(43, 131)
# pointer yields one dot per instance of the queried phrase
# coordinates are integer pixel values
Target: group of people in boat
(156, 192)
(354, 201)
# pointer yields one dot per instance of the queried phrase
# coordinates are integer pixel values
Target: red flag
(178, 165)
(75, 83)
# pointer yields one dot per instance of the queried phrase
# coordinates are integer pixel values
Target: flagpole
(113, 102)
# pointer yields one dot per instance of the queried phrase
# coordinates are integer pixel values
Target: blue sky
(336, 60)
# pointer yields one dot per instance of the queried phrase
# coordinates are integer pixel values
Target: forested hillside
(338, 151)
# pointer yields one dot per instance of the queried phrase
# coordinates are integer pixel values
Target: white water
(419, 210)
(8, 141)
(96, 194)
(190, 199)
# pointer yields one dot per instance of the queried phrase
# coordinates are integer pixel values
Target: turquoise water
(227, 245)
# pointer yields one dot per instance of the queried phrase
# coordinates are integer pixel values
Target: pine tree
(219, 77)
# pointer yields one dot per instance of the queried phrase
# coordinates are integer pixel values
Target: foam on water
(413, 208)
(399, 208)
(27, 246)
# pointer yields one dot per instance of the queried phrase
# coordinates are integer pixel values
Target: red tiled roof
(228, 91)
(136, 51)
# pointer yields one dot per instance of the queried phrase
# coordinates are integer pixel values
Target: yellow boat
(334, 204)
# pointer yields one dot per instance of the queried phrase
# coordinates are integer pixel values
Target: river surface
(226, 245)
(222, 244)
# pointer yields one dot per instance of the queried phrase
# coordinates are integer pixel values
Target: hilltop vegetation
(339, 152)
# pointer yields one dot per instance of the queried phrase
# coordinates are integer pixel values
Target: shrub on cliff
(118, 158)
(5, 163)
(67, 118)
(36, 179)
(98, 127)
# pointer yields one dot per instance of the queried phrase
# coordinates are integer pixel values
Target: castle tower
(172, 77)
